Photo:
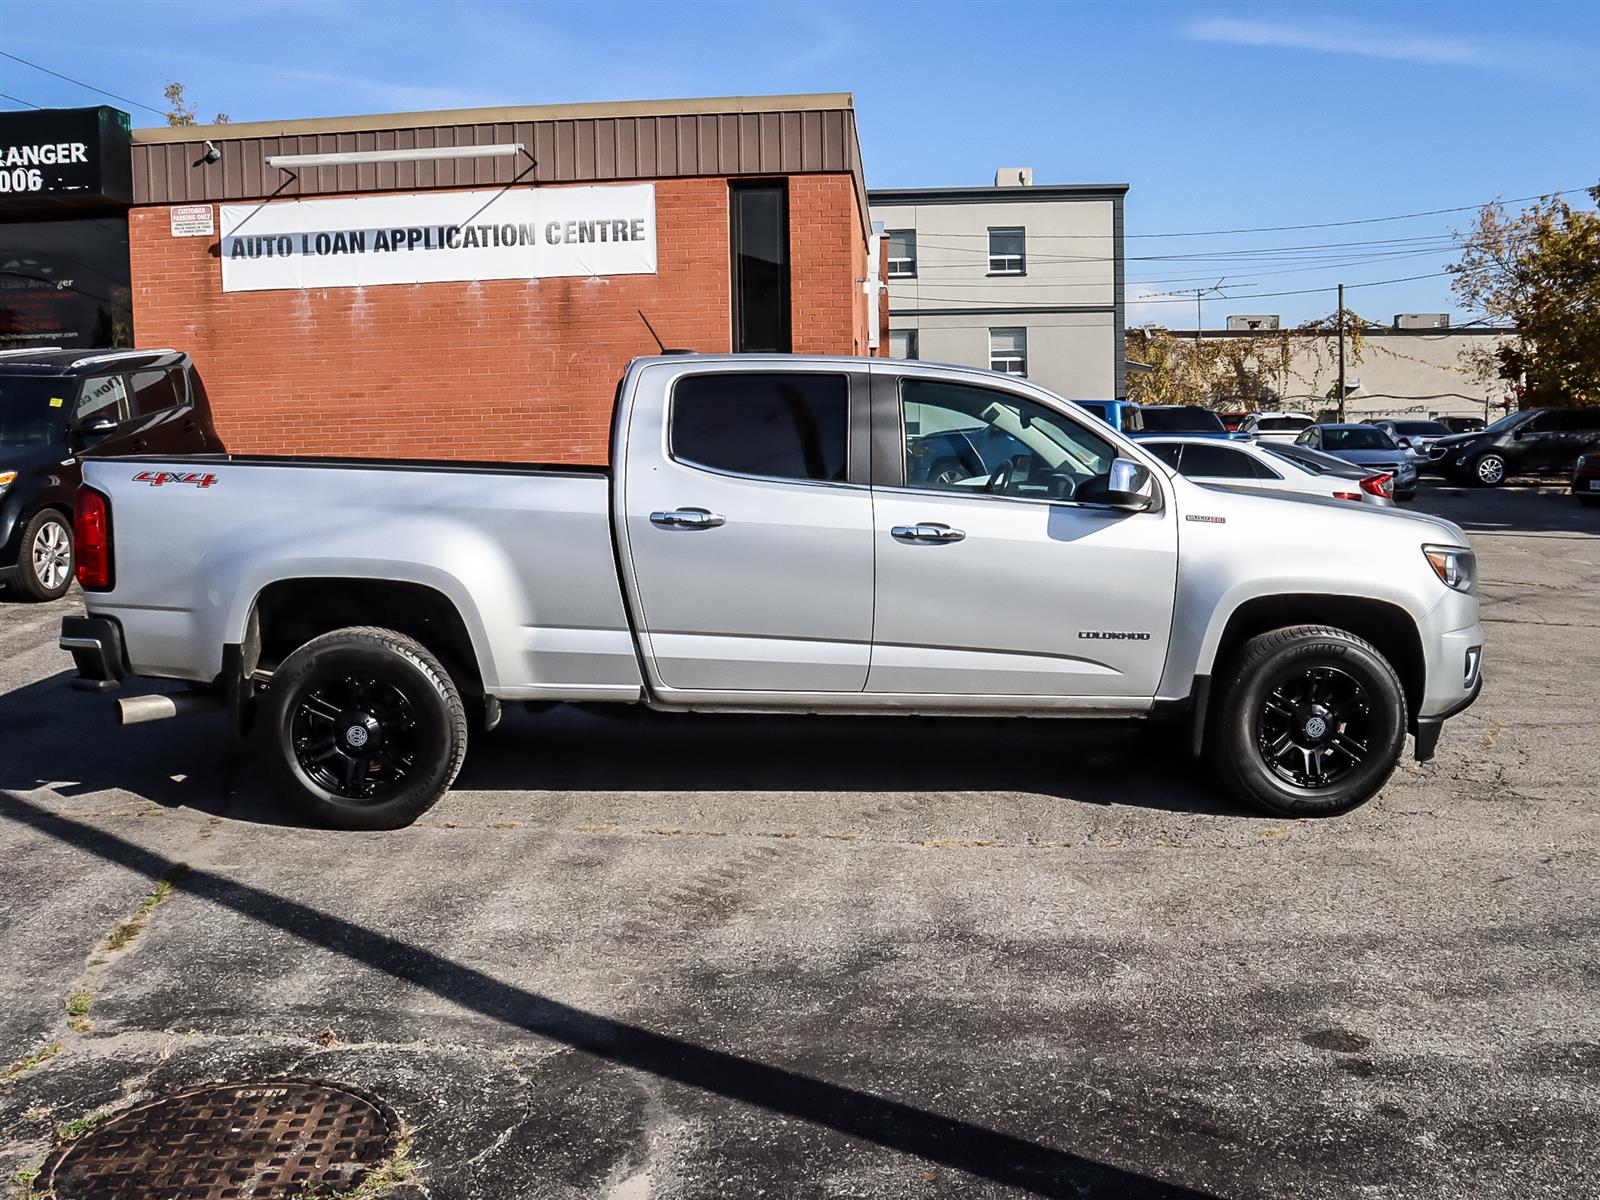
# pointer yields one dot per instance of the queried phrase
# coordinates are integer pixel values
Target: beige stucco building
(1020, 278)
(1403, 372)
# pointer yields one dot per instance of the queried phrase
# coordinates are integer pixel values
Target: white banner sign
(520, 233)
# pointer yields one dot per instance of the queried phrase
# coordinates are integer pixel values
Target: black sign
(61, 157)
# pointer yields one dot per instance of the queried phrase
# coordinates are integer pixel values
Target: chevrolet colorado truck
(785, 535)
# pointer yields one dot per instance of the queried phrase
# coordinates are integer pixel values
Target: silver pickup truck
(775, 534)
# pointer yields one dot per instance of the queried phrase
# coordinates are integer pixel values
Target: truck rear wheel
(364, 729)
(1312, 722)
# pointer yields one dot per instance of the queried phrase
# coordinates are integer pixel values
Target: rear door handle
(688, 518)
(928, 531)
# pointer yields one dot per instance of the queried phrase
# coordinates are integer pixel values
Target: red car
(1586, 479)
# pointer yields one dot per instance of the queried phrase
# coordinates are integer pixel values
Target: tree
(1248, 371)
(180, 113)
(1539, 272)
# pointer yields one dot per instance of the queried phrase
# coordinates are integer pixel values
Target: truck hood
(1318, 516)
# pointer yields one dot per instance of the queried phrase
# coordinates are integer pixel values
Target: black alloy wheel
(355, 735)
(1310, 721)
(363, 728)
(1314, 728)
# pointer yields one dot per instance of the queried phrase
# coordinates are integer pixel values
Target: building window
(1008, 351)
(1007, 252)
(903, 343)
(903, 254)
(793, 425)
(759, 237)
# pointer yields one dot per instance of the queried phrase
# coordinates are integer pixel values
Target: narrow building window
(903, 343)
(902, 254)
(759, 237)
(1008, 351)
(1008, 251)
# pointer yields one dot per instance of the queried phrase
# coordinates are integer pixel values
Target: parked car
(750, 548)
(1586, 479)
(1232, 420)
(1534, 441)
(1112, 412)
(59, 406)
(1274, 427)
(1413, 436)
(1271, 469)
(1463, 424)
(1367, 446)
(1190, 420)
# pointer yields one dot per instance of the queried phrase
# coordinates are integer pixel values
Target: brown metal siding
(567, 151)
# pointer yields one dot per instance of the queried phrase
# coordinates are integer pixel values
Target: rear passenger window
(1218, 462)
(155, 391)
(780, 425)
(102, 399)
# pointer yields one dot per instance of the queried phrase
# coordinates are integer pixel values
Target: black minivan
(1534, 441)
(56, 406)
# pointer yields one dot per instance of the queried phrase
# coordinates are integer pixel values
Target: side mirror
(95, 427)
(1129, 487)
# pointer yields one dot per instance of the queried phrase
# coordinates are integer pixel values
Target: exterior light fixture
(352, 158)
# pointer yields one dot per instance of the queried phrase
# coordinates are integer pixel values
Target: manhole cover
(275, 1139)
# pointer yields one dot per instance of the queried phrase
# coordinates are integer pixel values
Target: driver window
(978, 441)
(102, 398)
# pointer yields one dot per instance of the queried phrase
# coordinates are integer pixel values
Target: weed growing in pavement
(43, 1054)
(24, 1183)
(71, 1129)
(393, 1171)
(134, 925)
(78, 1005)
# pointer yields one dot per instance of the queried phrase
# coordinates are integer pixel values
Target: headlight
(1456, 566)
(7, 478)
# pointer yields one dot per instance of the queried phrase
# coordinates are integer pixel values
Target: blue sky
(1220, 116)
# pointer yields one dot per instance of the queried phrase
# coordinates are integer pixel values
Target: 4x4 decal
(158, 478)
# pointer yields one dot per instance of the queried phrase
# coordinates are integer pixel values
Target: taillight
(91, 536)
(1379, 485)
(1348, 496)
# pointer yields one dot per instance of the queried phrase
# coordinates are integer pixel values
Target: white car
(1281, 427)
(1271, 467)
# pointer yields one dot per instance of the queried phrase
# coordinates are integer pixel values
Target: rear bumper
(95, 644)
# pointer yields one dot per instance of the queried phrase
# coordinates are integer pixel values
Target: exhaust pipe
(136, 710)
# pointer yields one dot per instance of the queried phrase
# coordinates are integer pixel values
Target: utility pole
(1341, 353)
(1199, 295)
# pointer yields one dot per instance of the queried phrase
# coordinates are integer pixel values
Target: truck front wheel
(1312, 722)
(363, 729)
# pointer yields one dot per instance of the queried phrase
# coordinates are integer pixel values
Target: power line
(81, 83)
(19, 100)
(1297, 292)
(1431, 212)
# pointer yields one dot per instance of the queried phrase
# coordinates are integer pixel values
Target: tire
(1489, 470)
(45, 561)
(1304, 688)
(384, 689)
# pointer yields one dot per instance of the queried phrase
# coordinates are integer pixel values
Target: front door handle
(688, 518)
(928, 531)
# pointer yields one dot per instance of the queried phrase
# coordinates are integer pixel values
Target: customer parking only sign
(518, 233)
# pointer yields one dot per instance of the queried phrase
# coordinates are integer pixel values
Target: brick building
(469, 284)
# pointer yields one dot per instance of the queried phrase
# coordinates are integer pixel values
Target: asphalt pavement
(796, 957)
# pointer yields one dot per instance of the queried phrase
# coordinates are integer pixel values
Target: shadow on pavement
(1543, 507)
(69, 741)
(990, 1155)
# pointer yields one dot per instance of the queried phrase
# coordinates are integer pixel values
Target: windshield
(1364, 438)
(1314, 461)
(33, 409)
(1420, 429)
(1180, 420)
(1283, 424)
(1510, 419)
